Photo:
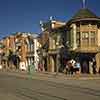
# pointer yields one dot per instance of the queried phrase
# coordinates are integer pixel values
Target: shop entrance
(84, 61)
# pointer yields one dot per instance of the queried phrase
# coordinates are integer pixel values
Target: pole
(84, 3)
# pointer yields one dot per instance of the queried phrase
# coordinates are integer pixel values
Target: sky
(25, 15)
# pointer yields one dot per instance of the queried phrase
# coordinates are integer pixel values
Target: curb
(39, 75)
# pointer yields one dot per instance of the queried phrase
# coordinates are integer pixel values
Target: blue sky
(24, 15)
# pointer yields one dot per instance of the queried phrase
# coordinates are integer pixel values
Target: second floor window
(78, 39)
(92, 38)
(85, 38)
(85, 35)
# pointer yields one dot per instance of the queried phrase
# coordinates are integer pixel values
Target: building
(52, 38)
(80, 36)
(83, 34)
(21, 45)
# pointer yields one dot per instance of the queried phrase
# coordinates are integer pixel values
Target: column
(81, 43)
(48, 63)
(89, 39)
(98, 61)
(90, 67)
(57, 63)
(51, 64)
(74, 36)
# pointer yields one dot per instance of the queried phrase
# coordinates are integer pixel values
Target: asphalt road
(19, 88)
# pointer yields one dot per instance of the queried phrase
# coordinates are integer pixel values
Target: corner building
(83, 35)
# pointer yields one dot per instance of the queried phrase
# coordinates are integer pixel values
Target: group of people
(72, 67)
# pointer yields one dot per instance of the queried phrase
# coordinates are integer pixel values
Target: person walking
(77, 67)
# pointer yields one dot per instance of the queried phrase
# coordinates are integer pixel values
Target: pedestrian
(73, 62)
(67, 68)
(77, 67)
(70, 67)
(40, 67)
(94, 66)
(99, 70)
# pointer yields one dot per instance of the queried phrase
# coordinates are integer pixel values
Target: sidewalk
(73, 77)
(47, 75)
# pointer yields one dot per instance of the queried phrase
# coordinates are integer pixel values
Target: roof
(84, 14)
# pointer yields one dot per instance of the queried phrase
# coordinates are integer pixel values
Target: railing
(88, 28)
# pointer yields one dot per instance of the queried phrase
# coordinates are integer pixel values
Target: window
(85, 39)
(92, 34)
(85, 35)
(92, 38)
(78, 39)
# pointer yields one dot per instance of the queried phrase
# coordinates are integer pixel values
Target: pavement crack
(76, 88)
(24, 91)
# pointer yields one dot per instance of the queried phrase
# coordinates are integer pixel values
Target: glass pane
(85, 35)
(92, 34)
(85, 39)
(92, 38)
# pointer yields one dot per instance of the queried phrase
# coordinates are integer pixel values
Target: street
(13, 87)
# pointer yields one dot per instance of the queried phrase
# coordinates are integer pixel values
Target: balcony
(87, 49)
(88, 28)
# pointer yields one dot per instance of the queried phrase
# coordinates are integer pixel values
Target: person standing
(94, 66)
(77, 67)
(71, 64)
(67, 68)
